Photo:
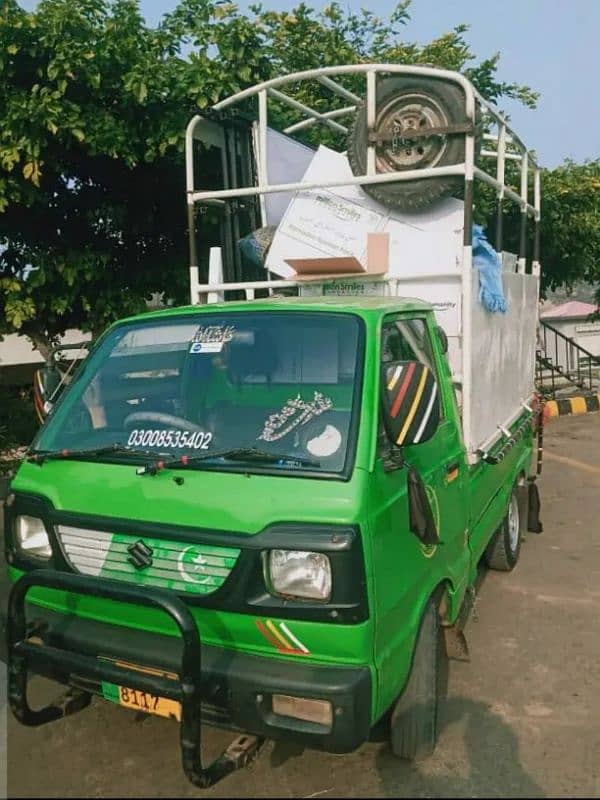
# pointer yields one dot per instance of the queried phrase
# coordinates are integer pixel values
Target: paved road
(521, 719)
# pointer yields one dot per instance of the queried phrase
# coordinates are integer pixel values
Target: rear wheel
(413, 733)
(504, 549)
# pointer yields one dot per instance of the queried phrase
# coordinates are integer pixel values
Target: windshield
(283, 382)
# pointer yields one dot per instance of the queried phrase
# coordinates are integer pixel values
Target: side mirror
(49, 381)
(46, 388)
(411, 406)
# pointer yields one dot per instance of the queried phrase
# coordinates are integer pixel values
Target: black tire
(417, 101)
(414, 718)
(503, 551)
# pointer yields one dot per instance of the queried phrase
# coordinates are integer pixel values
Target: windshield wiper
(235, 454)
(39, 456)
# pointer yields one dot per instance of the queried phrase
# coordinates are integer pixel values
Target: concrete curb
(572, 405)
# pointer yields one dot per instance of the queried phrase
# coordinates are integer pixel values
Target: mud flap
(454, 636)
(534, 523)
(456, 644)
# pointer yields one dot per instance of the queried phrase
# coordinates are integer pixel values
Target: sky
(550, 45)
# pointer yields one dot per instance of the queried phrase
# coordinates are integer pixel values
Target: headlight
(297, 573)
(32, 538)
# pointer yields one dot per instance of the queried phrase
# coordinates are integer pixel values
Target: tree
(570, 224)
(570, 240)
(93, 109)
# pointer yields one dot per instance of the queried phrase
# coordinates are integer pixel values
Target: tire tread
(417, 194)
(498, 555)
(414, 718)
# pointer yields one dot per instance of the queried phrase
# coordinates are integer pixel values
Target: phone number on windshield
(196, 440)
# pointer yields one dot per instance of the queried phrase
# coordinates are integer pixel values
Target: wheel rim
(407, 113)
(513, 523)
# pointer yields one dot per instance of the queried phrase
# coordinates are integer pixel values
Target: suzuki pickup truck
(269, 514)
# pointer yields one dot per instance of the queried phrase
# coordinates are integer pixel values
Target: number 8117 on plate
(142, 701)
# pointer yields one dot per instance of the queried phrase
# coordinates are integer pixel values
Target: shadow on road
(490, 766)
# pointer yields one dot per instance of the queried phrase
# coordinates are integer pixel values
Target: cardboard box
(321, 225)
(377, 262)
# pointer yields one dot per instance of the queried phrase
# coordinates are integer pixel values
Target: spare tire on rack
(409, 103)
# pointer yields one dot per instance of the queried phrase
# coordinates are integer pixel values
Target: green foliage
(18, 425)
(571, 224)
(93, 109)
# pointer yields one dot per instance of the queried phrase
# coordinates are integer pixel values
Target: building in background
(574, 320)
(19, 359)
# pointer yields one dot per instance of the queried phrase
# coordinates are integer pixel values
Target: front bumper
(230, 689)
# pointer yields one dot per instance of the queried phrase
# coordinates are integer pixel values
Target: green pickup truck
(266, 515)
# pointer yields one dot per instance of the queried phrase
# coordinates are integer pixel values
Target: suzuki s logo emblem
(140, 554)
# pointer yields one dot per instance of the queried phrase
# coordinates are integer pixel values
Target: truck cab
(265, 515)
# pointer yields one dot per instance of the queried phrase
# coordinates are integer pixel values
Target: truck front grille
(183, 567)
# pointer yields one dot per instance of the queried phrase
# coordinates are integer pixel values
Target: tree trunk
(41, 342)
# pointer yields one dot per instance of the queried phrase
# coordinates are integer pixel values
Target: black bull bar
(25, 654)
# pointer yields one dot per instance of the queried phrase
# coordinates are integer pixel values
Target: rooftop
(574, 309)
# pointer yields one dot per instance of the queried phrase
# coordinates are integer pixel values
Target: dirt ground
(521, 719)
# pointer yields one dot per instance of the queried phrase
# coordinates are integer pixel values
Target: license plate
(150, 703)
(142, 701)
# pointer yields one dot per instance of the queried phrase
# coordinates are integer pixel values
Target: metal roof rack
(502, 144)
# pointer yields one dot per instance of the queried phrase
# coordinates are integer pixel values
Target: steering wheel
(161, 419)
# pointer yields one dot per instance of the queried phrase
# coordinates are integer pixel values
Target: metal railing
(561, 362)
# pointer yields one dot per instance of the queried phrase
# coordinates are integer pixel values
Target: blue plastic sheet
(489, 265)
(255, 246)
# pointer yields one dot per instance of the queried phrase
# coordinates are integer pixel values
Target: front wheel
(504, 549)
(413, 733)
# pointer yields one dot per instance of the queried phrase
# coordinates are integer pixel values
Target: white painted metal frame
(504, 145)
